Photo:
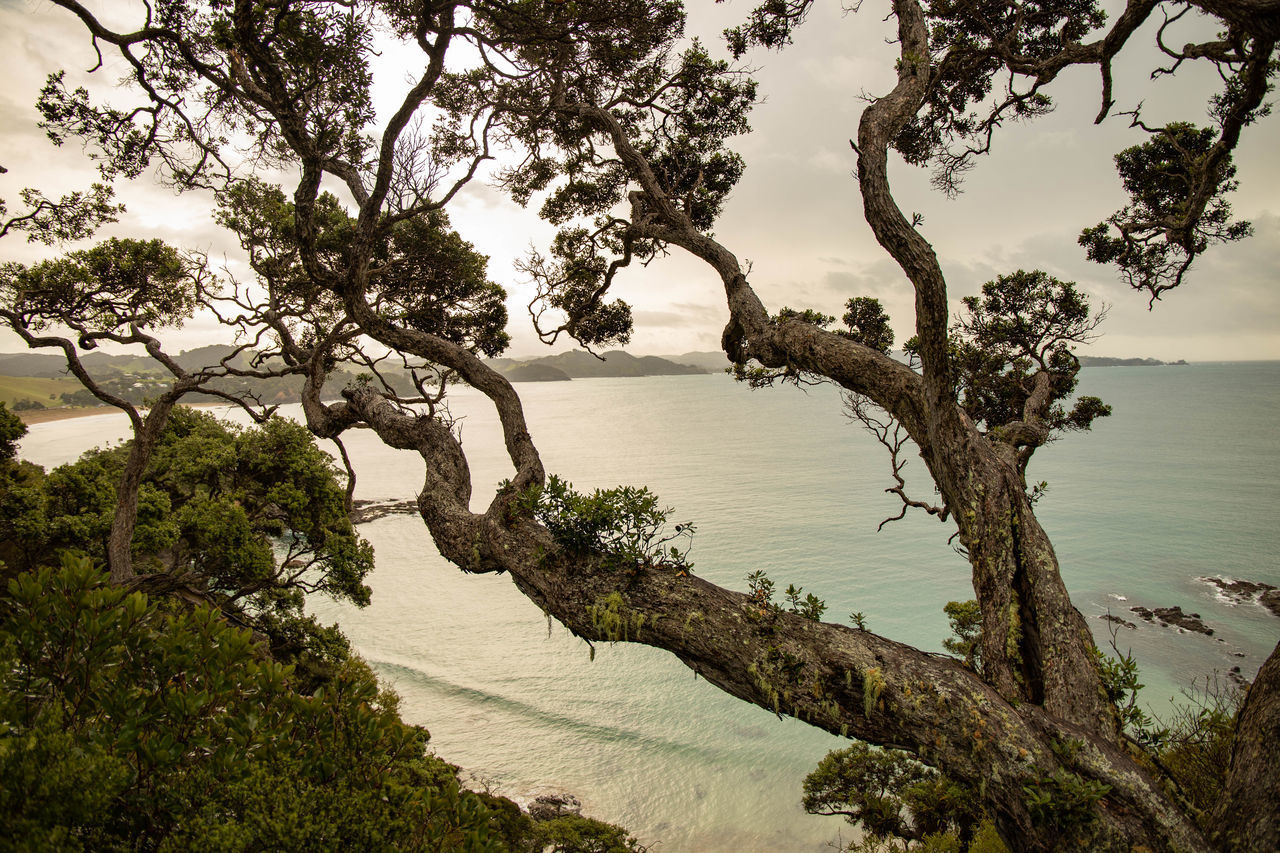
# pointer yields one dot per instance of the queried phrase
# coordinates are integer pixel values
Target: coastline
(31, 417)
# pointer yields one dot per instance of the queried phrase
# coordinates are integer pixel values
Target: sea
(1178, 485)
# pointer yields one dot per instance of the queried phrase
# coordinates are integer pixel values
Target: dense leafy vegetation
(625, 527)
(253, 519)
(131, 721)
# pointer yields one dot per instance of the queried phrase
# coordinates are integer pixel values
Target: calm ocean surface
(1180, 483)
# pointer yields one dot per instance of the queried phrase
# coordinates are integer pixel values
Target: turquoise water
(1179, 483)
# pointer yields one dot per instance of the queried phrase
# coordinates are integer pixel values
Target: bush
(124, 725)
(624, 526)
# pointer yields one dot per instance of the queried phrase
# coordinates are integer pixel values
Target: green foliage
(808, 315)
(770, 26)
(428, 278)
(319, 59)
(760, 588)
(115, 284)
(575, 834)
(966, 624)
(957, 109)
(12, 429)
(867, 323)
(23, 501)
(674, 104)
(890, 795)
(1022, 326)
(125, 724)
(1120, 682)
(79, 398)
(1158, 232)
(1193, 748)
(574, 280)
(864, 319)
(624, 527)
(257, 514)
(987, 839)
(566, 833)
(74, 216)
(810, 607)
(1064, 801)
(438, 282)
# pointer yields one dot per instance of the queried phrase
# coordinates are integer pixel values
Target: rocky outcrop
(552, 806)
(1173, 616)
(1242, 591)
(362, 512)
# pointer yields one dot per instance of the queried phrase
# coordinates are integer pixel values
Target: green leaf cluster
(565, 833)
(760, 588)
(1162, 180)
(1064, 801)
(114, 285)
(257, 516)
(1193, 748)
(891, 796)
(128, 724)
(865, 322)
(74, 216)
(1120, 682)
(624, 527)
(674, 104)
(966, 627)
(424, 275)
(1023, 325)
(311, 55)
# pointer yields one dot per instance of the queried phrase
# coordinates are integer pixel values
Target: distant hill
(41, 380)
(1108, 361)
(714, 361)
(46, 365)
(579, 364)
(534, 372)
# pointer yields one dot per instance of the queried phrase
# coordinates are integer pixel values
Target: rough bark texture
(1249, 816)
(843, 680)
(120, 541)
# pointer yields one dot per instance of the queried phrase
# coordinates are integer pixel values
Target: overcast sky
(796, 215)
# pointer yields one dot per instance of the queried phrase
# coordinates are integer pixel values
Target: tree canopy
(622, 130)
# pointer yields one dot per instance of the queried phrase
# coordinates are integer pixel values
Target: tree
(130, 721)
(596, 107)
(121, 291)
(132, 726)
(250, 521)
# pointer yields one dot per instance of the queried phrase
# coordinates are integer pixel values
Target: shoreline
(31, 417)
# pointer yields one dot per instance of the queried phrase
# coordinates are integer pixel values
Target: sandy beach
(62, 413)
(40, 416)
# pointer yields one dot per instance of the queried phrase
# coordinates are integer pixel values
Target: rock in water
(1241, 591)
(552, 806)
(1175, 617)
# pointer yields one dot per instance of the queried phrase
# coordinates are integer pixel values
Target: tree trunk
(1248, 817)
(120, 541)
(846, 681)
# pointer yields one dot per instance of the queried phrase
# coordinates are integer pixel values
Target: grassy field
(45, 391)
